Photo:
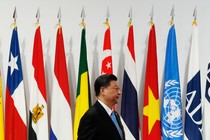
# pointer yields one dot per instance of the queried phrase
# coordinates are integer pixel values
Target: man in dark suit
(100, 122)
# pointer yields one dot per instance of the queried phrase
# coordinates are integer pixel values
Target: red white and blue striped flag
(61, 120)
(129, 106)
(16, 128)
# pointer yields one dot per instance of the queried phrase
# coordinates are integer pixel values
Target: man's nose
(119, 92)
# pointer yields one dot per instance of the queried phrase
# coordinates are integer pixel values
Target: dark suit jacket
(96, 124)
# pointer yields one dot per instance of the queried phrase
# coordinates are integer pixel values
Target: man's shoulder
(92, 111)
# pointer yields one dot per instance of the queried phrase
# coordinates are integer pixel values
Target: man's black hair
(103, 81)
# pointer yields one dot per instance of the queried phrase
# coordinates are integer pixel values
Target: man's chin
(116, 102)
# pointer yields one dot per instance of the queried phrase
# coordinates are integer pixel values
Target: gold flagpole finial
(59, 18)
(37, 18)
(130, 15)
(151, 16)
(83, 17)
(107, 18)
(14, 25)
(195, 16)
(172, 16)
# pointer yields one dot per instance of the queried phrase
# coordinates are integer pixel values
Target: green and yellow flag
(1, 112)
(83, 99)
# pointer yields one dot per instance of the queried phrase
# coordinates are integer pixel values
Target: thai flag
(15, 99)
(129, 107)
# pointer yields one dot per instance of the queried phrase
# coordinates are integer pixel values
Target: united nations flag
(171, 114)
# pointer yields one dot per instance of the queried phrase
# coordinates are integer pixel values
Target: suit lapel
(104, 113)
(107, 118)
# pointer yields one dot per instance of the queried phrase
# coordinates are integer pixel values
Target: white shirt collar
(108, 110)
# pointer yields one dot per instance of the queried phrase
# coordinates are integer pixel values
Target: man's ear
(102, 90)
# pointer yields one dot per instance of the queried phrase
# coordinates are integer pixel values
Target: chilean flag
(129, 107)
(15, 99)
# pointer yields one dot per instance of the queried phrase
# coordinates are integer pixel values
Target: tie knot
(112, 113)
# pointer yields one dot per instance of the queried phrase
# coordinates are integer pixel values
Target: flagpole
(14, 25)
(37, 18)
(195, 16)
(82, 23)
(107, 18)
(130, 15)
(151, 16)
(172, 16)
(59, 18)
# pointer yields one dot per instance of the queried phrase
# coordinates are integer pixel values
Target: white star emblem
(13, 63)
(108, 65)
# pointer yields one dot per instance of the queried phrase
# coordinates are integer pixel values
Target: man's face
(111, 93)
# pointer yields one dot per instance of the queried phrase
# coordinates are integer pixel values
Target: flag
(129, 103)
(38, 117)
(151, 108)
(83, 100)
(15, 97)
(193, 110)
(206, 120)
(61, 120)
(107, 68)
(171, 113)
(1, 111)
(107, 52)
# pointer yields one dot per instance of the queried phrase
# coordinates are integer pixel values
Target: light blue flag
(171, 114)
(193, 110)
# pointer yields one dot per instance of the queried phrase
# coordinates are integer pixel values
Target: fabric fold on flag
(171, 113)
(83, 99)
(15, 123)
(38, 115)
(129, 103)
(61, 118)
(151, 108)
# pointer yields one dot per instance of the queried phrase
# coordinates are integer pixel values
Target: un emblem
(172, 113)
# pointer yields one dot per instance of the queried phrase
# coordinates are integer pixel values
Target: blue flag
(193, 110)
(171, 114)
